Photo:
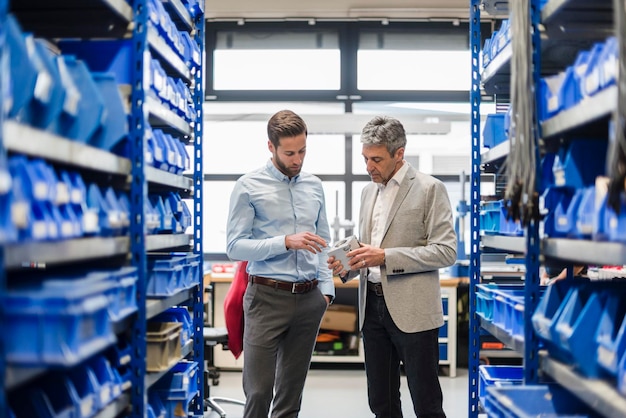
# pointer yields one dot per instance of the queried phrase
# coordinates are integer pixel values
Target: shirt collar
(398, 177)
(276, 173)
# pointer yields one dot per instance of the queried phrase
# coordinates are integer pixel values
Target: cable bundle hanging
(520, 167)
(617, 153)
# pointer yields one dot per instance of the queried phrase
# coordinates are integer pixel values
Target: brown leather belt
(293, 287)
(376, 288)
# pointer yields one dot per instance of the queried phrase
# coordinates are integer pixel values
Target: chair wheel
(215, 382)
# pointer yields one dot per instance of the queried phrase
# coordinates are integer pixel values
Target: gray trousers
(279, 337)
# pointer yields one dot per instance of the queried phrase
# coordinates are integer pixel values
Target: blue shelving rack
(198, 181)
(116, 20)
(561, 22)
(530, 245)
(474, 270)
(3, 86)
(138, 196)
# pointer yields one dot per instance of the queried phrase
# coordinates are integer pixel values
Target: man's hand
(305, 241)
(366, 256)
(336, 267)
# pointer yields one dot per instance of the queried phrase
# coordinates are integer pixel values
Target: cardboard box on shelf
(340, 318)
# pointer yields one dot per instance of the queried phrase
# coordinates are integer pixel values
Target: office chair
(212, 337)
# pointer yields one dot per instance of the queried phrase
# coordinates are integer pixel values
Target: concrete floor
(341, 393)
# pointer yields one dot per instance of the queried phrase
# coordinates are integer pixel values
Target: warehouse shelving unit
(4, 69)
(583, 23)
(115, 19)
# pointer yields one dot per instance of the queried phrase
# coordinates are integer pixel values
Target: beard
(288, 171)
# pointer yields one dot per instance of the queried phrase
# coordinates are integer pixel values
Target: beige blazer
(418, 239)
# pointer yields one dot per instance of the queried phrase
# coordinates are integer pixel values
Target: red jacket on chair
(233, 309)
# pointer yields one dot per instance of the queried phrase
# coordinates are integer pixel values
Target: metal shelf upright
(3, 92)
(138, 198)
(495, 78)
(474, 270)
(198, 180)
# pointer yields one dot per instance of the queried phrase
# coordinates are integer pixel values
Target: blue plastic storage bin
(123, 297)
(107, 382)
(194, 276)
(532, 401)
(580, 163)
(154, 400)
(49, 94)
(493, 132)
(103, 56)
(615, 224)
(123, 202)
(152, 218)
(23, 73)
(486, 53)
(484, 301)
(550, 102)
(494, 219)
(87, 390)
(164, 209)
(590, 83)
(551, 198)
(114, 128)
(587, 215)
(165, 276)
(116, 219)
(90, 107)
(160, 150)
(8, 231)
(58, 323)
(30, 191)
(565, 214)
(504, 303)
(608, 63)
(547, 175)
(577, 326)
(178, 387)
(546, 316)
(490, 376)
(611, 334)
(571, 92)
(72, 221)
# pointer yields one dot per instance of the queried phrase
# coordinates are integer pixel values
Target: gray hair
(384, 130)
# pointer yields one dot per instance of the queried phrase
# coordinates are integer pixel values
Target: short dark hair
(384, 130)
(283, 124)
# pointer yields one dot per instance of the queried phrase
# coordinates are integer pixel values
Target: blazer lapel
(368, 202)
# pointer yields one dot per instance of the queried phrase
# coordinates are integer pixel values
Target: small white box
(341, 248)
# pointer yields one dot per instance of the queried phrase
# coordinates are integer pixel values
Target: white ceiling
(337, 9)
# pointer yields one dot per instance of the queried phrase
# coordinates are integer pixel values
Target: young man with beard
(277, 222)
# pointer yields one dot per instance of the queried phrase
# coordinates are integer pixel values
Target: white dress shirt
(386, 195)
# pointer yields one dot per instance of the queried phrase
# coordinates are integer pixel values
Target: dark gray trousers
(279, 337)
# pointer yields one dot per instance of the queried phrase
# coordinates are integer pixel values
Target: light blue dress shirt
(265, 206)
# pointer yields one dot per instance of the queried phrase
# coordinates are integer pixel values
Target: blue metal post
(533, 242)
(474, 270)
(198, 180)
(138, 196)
(4, 71)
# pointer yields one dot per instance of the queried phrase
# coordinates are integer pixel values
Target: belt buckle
(378, 289)
(293, 287)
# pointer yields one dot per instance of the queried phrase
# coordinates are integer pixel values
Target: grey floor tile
(341, 393)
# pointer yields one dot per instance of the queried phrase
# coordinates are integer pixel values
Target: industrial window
(236, 137)
(277, 61)
(421, 61)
